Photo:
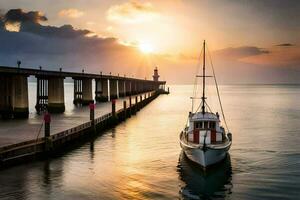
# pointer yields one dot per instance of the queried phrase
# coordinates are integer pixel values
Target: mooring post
(141, 101)
(47, 120)
(136, 104)
(48, 142)
(130, 106)
(92, 116)
(113, 108)
(124, 109)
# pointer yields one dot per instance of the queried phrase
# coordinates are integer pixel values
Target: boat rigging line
(217, 88)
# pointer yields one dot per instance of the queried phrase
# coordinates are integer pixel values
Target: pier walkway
(20, 130)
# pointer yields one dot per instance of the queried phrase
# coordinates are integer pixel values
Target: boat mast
(203, 84)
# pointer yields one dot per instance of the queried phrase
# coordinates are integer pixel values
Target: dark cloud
(29, 22)
(28, 43)
(18, 15)
(240, 52)
(65, 46)
(94, 53)
(285, 45)
(66, 31)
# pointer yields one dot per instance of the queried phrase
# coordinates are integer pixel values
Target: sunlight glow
(146, 48)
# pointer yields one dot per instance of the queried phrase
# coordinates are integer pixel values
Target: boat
(204, 140)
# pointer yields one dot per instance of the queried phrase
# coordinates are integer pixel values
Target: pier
(117, 98)
(50, 89)
(49, 144)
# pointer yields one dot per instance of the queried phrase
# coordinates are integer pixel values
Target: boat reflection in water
(199, 184)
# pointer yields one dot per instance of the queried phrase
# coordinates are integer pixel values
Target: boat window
(205, 124)
(212, 125)
(198, 125)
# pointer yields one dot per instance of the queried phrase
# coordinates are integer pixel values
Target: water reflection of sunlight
(131, 157)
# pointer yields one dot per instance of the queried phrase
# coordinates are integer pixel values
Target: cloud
(241, 52)
(28, 43)
(272, 57)
(65, 46)
(72, 53)
(29, 22)
(65, 31)
(278, 57)
(132, 12)
(71, 13)
(18, 15)
(230, 53)
(285, 45)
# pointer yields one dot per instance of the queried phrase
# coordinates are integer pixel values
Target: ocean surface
(141, 158)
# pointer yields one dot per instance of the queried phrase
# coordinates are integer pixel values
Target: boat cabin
(205, 128)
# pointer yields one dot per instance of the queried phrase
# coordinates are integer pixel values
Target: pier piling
(121, 87)
(113, 88)
(77, 91)
(87, 92)
(50, 89)
(128, 88)
(56, 99)
(41, 94)
(102, 90)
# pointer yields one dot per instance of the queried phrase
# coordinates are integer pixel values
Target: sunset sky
(253, 41)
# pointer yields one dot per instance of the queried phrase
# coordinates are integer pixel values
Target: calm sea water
(141, 158)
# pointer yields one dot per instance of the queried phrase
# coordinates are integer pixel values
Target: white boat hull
(206, 157)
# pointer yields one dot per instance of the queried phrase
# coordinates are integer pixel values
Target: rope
(217, 87)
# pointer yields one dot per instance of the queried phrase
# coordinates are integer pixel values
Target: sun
(146, 48)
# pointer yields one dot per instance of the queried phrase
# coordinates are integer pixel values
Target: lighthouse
(155, 75)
